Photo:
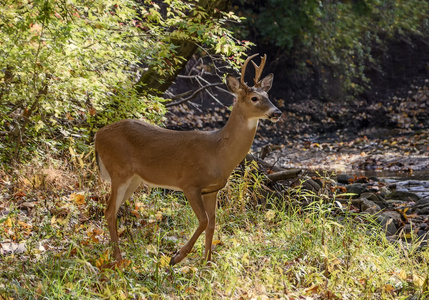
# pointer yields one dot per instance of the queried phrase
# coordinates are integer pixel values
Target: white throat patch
(252, 123)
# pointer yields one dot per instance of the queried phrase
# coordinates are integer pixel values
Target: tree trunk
(153, 83)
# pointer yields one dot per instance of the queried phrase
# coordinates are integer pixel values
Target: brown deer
(131, 152)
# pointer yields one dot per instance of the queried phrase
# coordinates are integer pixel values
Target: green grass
(284, 252)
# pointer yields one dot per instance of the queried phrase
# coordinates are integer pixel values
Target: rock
(369, 206)
(344, 178)
(396, 216)
(362, 180)
(422, 211)
(384, 191)
(308, 184)
(422, 203)
(421, 207)
(388, 221)
(402, 195)
(375, 198)
(369, 196)
(356, 188)
(390, 203)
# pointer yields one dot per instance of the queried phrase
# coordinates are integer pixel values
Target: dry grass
(285, 252)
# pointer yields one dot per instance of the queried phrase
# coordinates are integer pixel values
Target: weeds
(265, 248)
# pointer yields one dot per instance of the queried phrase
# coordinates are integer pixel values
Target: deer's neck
(236, 138)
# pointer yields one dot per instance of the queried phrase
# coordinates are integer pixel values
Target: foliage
(342, 39)
(260, 253)
(69, 67)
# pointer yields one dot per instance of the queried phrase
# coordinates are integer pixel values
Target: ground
(388, 135)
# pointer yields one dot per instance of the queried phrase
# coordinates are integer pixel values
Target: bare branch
(209, 93)
(194, 94)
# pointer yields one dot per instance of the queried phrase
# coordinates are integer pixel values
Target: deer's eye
(254, 99)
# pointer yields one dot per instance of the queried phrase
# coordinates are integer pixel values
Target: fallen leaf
(79, 199)
(418, 280)
(164, 261)
(314, 289)
(389, 288)
(158, 215)
(217, 242)
(269, 215)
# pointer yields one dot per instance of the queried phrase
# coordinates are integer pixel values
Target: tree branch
(193, 94)
(151, 81)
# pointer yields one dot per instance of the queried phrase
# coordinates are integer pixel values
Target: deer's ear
(233, 84)
(267, 82)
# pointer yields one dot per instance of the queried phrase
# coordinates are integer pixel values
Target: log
(285, 175)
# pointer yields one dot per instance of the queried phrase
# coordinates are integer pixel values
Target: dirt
(389, 135)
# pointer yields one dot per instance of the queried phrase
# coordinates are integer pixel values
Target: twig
(208, 92)
(193, 94)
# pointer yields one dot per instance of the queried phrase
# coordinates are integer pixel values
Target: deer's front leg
(209, 201)
(195, 200)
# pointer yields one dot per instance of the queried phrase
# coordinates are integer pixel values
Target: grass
(274, 250)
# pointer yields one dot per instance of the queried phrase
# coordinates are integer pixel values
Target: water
(416, 182)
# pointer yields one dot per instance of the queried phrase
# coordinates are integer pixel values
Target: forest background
(70, 68)
(67, 68)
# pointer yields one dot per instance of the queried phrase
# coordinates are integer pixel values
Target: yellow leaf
(102, 259)
(123, 264)
(418, 280)
(158, 215)
(389, 288)
(99, 262)
(53, 220)
(8, 222)
(245, 258)
(313, 289)
(61, 221)
(407, 236)
(164, 261)
(25, 225)
(269, 215)
(187, 269)
(402, 275)
(79, 199)
(217, 242)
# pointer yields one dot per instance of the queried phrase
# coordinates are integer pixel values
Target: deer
(197, 163)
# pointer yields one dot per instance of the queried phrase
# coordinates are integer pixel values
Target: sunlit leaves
(69, 67)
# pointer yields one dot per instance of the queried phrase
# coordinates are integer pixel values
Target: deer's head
(254, 101)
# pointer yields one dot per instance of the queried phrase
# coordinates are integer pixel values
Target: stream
(416, 182)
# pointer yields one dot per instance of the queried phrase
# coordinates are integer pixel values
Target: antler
(258, 70)
(243, 70)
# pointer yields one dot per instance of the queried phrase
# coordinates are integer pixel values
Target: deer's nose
(275, 115)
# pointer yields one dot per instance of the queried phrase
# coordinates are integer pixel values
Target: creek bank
(395, 205)
(402, 214)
